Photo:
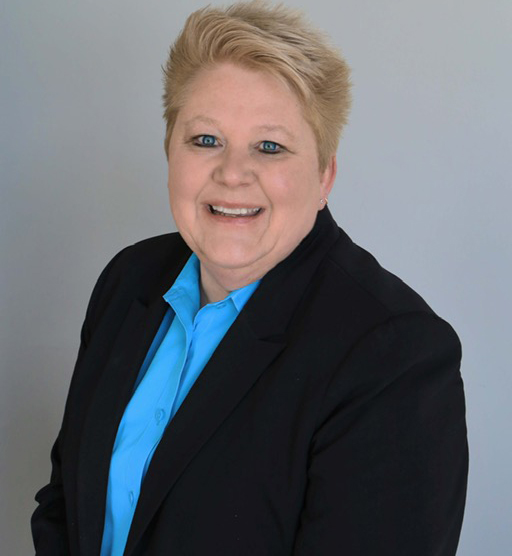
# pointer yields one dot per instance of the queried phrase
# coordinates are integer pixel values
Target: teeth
(235, 211)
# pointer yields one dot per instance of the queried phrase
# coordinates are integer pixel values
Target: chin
(232, 258)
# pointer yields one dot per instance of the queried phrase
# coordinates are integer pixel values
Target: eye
(205, 141)
(270, 147)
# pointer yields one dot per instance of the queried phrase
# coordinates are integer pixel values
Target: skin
(241, 141)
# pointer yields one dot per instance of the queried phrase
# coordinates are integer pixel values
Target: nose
(233, 168)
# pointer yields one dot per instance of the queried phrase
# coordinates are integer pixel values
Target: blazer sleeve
(388, 462)
(49, 523)
(49, 519)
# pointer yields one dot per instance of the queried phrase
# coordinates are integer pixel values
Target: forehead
(231, 93)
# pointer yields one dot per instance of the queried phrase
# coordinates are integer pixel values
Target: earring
(323, 201)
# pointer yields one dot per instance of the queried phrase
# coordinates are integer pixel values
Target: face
(244, 182)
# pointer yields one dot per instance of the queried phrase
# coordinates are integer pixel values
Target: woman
(256, 384)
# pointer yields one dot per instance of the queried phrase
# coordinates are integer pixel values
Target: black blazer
(329, 421)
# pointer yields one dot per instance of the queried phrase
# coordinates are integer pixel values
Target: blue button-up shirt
(181, 348)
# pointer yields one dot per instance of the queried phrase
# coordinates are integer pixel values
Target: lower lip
(234, 220)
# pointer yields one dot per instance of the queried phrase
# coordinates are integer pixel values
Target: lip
(233, 221)
(228, 205)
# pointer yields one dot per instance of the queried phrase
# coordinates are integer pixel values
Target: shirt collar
(184, 293)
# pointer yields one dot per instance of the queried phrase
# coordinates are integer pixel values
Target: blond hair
(269, 38)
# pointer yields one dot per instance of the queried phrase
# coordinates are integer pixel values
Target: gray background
(424, 183)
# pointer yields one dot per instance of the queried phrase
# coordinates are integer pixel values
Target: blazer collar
(283, 286)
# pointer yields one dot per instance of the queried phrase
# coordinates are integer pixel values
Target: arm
(388, 463)
(49, 524)
(49, 519)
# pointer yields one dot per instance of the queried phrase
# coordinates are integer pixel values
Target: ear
(328, 176)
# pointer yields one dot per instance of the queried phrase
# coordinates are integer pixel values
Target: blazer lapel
(257, 337)
(108, 403)
(100, 428)
(213, 397)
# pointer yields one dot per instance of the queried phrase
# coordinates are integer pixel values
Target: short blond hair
(269, 38)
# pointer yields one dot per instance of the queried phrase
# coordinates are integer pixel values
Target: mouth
(239, 212)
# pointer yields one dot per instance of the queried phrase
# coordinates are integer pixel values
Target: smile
(234, 212)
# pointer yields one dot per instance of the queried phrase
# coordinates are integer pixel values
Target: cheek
(186, 176)
(179, 184)
(178, 202)
(295, 188)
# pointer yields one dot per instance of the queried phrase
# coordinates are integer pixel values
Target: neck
(216, 286)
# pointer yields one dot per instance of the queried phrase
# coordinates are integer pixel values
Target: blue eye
(205, 141)
(270, 147)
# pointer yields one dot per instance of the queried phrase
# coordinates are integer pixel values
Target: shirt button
(131, 497)
(159, 415)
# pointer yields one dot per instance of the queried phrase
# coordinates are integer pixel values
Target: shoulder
(145, 260)
(137, 271)
(391, 327)
(364, 308)
(148, 254)
(371, 285)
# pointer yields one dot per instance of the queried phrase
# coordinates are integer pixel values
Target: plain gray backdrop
(424, 183)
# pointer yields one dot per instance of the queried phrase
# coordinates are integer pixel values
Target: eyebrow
(264, 127)
(281, 128)
(201, 119)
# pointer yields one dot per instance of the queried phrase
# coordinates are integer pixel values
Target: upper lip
(228, 205)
